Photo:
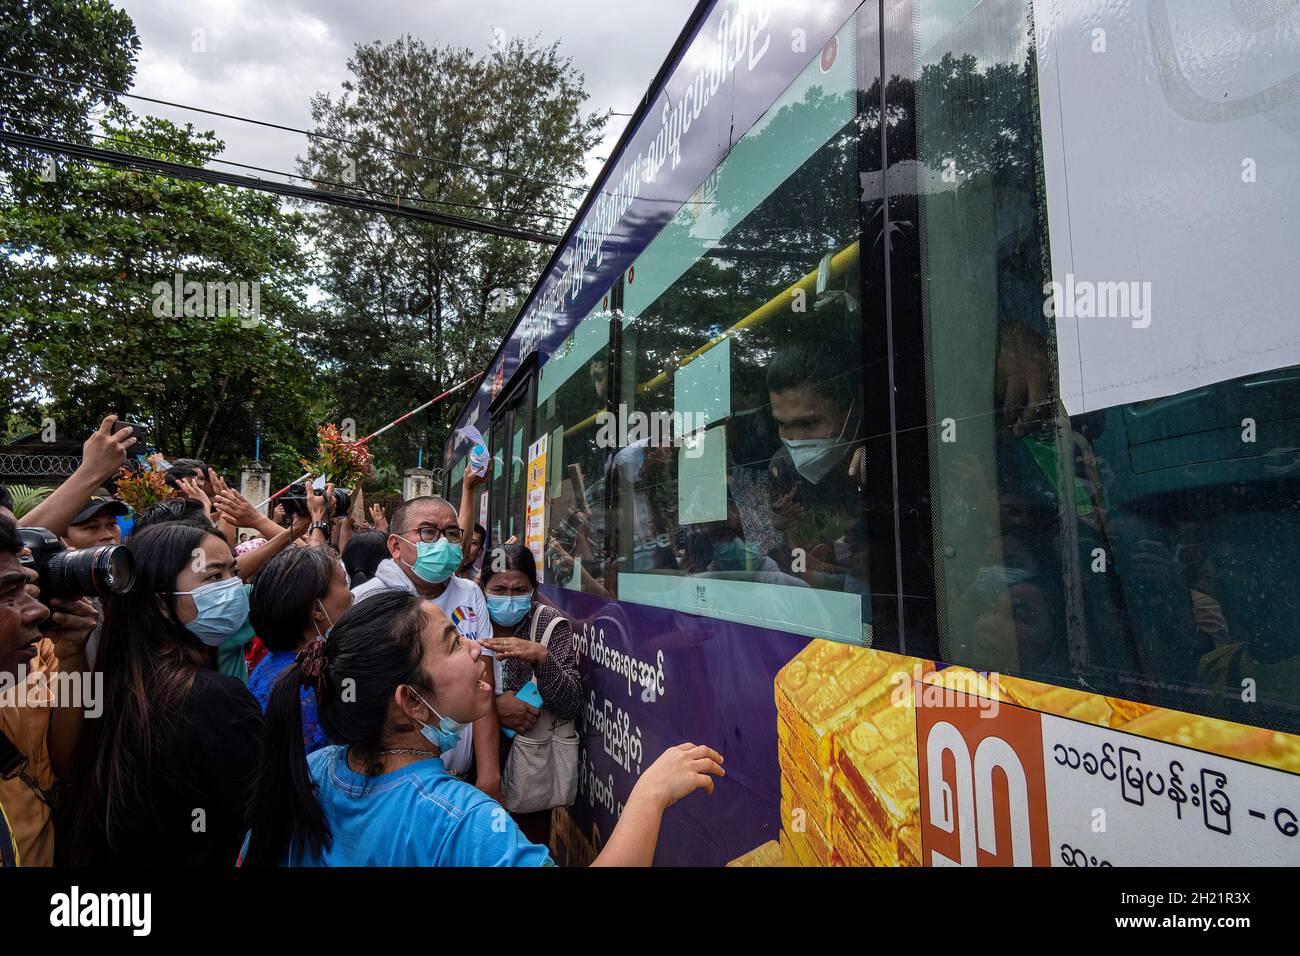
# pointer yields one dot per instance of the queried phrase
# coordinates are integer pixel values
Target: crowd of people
(223, 687)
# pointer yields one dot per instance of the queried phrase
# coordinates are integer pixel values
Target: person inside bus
(1019, 621)
(397, 685)
(509, 580)
(816, 475)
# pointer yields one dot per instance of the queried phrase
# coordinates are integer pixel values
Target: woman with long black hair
(296, 599)
(396, 684)
(167, 768)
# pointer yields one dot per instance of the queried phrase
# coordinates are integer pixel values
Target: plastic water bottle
(478, 453)
(478, 459)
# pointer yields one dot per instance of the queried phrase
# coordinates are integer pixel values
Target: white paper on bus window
(702, 479)
(702, 387)
(1171, 139)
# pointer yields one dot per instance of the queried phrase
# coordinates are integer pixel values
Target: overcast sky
(265, 58)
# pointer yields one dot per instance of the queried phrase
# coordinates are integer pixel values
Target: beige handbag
(542, 768)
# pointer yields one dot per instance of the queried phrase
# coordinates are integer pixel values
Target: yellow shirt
(28, 728)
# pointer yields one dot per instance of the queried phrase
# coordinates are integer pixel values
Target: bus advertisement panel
(822, 479)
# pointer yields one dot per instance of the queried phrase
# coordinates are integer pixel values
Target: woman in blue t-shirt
(295, 601)
(396, 684)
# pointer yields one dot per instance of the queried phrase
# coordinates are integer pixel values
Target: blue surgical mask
(223, 610)
(436, 562)
(736, 555)
(446, 734)
(509, 610)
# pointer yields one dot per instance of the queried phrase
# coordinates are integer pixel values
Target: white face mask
(815, 457)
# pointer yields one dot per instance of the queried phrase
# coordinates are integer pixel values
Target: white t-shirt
(462, 601)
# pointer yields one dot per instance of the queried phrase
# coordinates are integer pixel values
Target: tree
(413, 308)
(87, 276)
(81, 48)
(78, 49)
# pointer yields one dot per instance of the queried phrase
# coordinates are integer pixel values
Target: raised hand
(104, 452)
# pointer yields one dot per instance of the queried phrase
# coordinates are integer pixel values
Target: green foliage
(27, 497)
(81, 271)
(83, 42)
(415, 308)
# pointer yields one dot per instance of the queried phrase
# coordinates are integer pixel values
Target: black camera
(101, 571)
(295, 500)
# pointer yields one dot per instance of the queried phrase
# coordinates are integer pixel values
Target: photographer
(164, 773)
(38, 734)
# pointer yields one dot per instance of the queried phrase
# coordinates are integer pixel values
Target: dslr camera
(295, 500)
(63, 573)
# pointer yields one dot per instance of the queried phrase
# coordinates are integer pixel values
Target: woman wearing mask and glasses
(509, 582)
(396, 685)
(166, 770)
(296, 600)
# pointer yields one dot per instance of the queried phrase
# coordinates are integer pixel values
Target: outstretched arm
(101, 456)
(679, 771)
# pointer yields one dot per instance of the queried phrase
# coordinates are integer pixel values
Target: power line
(302, 132)
(217, 177)
(330, 182)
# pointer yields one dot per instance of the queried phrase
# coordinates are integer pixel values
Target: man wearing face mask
(816, 479)
(424, 547)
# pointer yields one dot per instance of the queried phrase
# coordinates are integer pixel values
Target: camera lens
(102, 571)
(342, 503)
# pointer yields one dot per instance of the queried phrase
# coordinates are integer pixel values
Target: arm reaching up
(101, 456)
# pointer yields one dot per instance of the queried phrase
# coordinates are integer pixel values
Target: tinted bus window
(1142, 550)
(741, 377)
(573, 389)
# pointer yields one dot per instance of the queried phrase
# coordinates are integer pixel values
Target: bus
(910, 413)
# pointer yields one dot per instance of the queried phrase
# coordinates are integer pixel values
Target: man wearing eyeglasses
(424, 547)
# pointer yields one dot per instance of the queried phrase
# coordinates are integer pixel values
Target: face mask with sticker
(222, 610)
(736, 555)
(814, 458)
(436, 562)
(509, 609)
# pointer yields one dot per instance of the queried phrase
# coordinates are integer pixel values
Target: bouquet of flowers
(141, 486)
(343, 462)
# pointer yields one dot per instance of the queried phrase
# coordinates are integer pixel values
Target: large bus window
(1143, 550)
(740, 405)
(572, 391)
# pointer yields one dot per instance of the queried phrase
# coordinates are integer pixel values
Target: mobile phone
(139, 447)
